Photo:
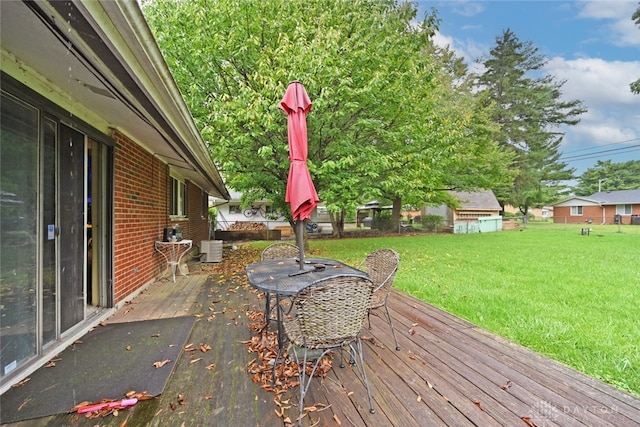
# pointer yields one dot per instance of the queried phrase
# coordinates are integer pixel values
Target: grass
(571, 297)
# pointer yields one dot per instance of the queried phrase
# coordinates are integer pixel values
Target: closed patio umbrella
(301, 193)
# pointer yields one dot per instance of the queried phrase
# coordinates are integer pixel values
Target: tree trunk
(395, 213)
(337, 225)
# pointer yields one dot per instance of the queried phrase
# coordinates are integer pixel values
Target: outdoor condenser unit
(211, 250)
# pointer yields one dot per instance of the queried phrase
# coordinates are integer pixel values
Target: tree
(528, 107)
(376, 125)
(609, 176)
(635, 86)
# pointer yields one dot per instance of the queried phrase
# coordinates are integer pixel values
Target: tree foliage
(635, 86)
(386, 121)
(609, 176)
(528, 107)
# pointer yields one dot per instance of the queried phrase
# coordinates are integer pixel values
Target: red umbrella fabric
(301, 193)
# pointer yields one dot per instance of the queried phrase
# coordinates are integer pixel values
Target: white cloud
(614, 112)
(467, 8)
(597, 82)
(618, 27)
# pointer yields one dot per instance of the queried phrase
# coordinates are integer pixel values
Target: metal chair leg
(362, 371)
(393, 332)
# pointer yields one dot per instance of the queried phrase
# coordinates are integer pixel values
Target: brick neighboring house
(99, 153)
(605, 207)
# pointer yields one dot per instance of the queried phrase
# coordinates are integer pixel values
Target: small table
(173, 253)
(283, 277)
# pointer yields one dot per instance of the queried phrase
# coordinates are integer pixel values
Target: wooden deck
(447, 373)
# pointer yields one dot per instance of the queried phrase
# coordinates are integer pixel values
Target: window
(204, 205)
(576, 210)
(178, 197)
(623, 209)
(234, 209)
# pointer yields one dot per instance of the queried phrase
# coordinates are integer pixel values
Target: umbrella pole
(300, 242)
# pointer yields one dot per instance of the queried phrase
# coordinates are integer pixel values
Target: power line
(621, 150)
(604, 145)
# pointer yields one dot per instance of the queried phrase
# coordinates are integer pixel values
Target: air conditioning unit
(211, 250)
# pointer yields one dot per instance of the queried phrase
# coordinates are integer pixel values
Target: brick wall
(198, 222)
(141, 212)
(562, 214)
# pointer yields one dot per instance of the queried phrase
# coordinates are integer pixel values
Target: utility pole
(600, 184)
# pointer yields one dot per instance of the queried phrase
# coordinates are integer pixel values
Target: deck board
(448, 372)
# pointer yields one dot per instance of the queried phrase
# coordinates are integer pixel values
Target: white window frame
(624, 210)
(576, 210)
(178, 197)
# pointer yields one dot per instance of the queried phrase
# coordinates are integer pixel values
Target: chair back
(280, 250)
(331, 311)
(381, 266)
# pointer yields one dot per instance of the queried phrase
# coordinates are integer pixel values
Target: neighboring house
(479, 211)
(231, 212)
(605, 207)
(98, 154)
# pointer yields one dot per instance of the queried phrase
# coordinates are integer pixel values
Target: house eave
(108, 62)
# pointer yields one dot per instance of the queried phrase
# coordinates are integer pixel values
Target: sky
(592, 45)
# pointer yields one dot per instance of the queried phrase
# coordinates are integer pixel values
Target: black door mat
(106, 363)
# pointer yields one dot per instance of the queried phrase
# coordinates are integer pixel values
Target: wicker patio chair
(329, 315)
(275, 251)
(280, 250)
(381, 265)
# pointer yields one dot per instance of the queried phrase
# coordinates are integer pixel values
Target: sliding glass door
(56, 248)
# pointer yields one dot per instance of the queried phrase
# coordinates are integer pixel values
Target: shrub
(382, 221)
(431, 222)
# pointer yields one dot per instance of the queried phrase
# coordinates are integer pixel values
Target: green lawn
(571, 297)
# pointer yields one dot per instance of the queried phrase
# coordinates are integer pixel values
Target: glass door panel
(49, 271)
(18, 232)
(71, 240)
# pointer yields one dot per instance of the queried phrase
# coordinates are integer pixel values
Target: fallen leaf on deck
(155, 335)
(211, 367)
(335, 417)
(205, 347)
(479, 404)
(181, 399)
(128, 348)
(51, 364)
(21, 383)
(529, 421)
(196, 360)
(419, 399)
(24, 403)
(160, 364)
(412, 331)
(506, 385)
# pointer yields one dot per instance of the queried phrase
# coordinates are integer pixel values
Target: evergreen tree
(528, 107)
(609, 176)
